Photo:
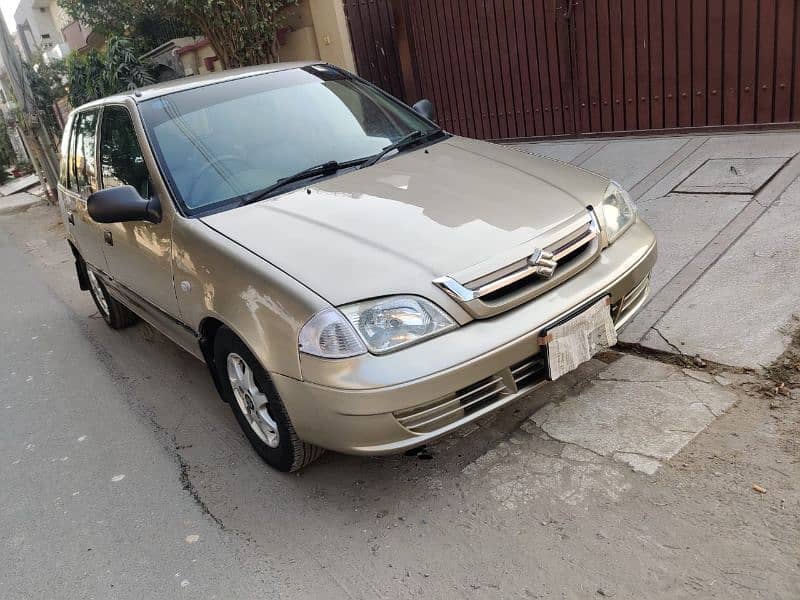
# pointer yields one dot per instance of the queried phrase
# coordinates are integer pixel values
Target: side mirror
(424, 107)
(123, 203)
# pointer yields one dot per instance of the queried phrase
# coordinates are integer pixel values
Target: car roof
(195, 81)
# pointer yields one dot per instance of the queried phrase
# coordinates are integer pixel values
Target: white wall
(43, 32)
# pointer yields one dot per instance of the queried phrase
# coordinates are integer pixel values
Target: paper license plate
(575, 341)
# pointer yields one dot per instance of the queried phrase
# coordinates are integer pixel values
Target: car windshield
(220, 143)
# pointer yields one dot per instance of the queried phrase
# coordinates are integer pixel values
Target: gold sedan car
(354, 277)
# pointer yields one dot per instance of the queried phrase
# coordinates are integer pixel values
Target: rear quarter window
(83, 146)
(63, 168)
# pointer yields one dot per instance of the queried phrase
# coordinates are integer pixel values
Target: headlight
(391, 323)
(618, 211)
(380, 325)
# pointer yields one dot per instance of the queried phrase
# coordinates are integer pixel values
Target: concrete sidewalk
(20, 184)
(724, 208)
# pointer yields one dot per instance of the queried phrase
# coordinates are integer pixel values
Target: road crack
(188, 486)
(666, 341)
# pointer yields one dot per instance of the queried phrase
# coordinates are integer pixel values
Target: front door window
(121, 160)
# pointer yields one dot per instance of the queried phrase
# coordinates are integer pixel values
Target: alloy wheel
(252, 402)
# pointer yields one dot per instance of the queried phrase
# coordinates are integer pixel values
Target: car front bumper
(376, 405)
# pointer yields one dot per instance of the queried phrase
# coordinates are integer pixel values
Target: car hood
(396, 226)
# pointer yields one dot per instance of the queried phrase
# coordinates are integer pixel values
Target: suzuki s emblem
(543, 263)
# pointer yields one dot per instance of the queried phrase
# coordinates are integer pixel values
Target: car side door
(139, 253)
(80, 182)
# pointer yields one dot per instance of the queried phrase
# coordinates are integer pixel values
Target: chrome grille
(530, 276)
(518, 378)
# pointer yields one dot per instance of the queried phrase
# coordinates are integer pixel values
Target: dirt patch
(779, 388)
(785, 372)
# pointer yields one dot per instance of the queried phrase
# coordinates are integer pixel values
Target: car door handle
(71, 218)
(108, 238)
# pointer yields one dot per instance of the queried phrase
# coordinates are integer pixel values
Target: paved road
(93, 506)
(540, 501)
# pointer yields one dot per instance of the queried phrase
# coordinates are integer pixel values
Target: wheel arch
(80, 267)
(206, 335)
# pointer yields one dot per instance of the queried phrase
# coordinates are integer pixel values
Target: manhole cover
(730, 176)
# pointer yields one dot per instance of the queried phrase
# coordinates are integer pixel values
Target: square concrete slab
(731, 176)
(639, 412)
(749, 145)
(735, 313)
(683, 224)
(628, 161)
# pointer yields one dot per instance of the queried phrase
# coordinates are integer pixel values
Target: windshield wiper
(332, 166)
(407, 139)
(326, 168)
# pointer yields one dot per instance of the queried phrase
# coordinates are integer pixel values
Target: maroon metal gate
(372, 33)
(524, 68)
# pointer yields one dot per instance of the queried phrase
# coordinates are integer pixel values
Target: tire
(114, 313)
(257, 406)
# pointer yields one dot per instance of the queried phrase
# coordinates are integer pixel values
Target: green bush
(102, 73)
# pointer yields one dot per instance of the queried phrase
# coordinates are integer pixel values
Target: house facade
(38, 29)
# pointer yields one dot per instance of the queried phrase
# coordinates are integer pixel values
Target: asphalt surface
(93, 506)
(122, 474)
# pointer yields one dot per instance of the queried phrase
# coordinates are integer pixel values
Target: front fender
(219, 279)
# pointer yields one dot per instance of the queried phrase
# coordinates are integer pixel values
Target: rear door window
(85, 143)
(121, 160)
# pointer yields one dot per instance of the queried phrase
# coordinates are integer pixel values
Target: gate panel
(784, 60)
(766, 61)
(747, 70)
(591, 50)
(516, 118)
(628, 11)
(796, 82)
(540, 55)
(533, 69)
(687, 63)
(373, 38)
(526, 68)
(697, 91)
(684, 45)
(656, 39)
(715, 61)
(730, 105)
(642, 91)
(551, 31)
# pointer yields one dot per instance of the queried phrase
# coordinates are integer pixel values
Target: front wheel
(113, 312)
(257, 406)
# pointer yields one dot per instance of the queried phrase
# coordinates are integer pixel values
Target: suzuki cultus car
(354, 277)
